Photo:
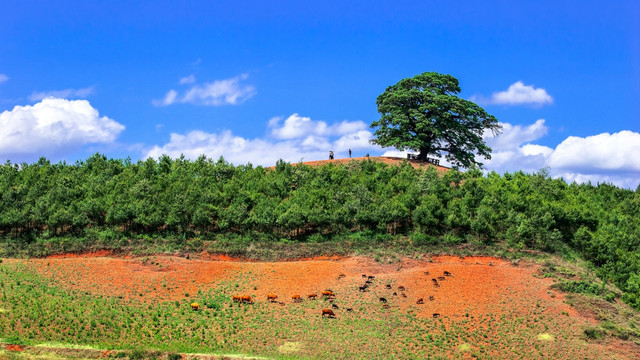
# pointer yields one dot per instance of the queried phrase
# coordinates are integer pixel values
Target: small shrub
(137, 355)
(593, 333)
(174, 356)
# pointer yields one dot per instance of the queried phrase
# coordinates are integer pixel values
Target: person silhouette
(349, 152)
(331, 155)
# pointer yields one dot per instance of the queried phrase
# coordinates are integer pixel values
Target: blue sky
(257, 81)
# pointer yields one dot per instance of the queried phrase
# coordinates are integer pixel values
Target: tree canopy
(424, 114)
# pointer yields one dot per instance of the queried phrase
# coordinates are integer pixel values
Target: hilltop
(389, 160)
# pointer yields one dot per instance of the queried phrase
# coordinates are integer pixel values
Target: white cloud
(296, 126)
(298, 138)
(513, 136)
(66, 93)
(216, 93)
(3, 78)
(53, 126)
(599, 158)
(188, 79)
(599, 153)
(168, 99)
(517, 94)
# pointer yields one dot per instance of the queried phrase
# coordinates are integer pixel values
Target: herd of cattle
(330, 295)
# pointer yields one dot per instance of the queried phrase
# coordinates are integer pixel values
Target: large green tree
(424, 114)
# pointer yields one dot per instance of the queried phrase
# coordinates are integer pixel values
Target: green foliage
(580, 287)
(423, 113)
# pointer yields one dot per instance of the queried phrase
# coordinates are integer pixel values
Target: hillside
(417, 164)
(486, 308)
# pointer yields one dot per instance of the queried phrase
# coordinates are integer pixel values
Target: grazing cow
(427, 273)
(246, 299)
(368, 282)
(328, 293)
(364, 276)
(296, 298)
(334, 306)
(371, 277)
(436, 315)
(341, 276)
(441, 278)
(385, 306)
(446, 273)
(431, 298)
(195, 306)
(329, 313)
(395, 293)
(404, 295)
(435, 283)
(383, 300)
(312, 296)
(362, 288)
(401, 288)
(388, 286)
(237, 298)
(281, 303)
(349, 309)
(272, 297)
(420, 301)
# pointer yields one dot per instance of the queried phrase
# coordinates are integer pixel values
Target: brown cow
(388, 286)
(237, 298)
(328, 293)
(272, 297)
(436, 315)
(296, 298)
(312, 296)
(195, 306)
(401, 288)
(383, 300)
(246, 299)
(441, 278)
(328, 313)
(431, 298)
(446, 273)
(341, 276)
(420, 301)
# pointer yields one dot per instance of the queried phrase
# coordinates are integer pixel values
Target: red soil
(479, 288)
(478, 284)
(14, 347)
(384, 159)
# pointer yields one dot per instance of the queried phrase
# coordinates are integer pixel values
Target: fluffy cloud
(296, 126)
(66, 93)
(3, 78)
(517, 94)
(297, 138)
(599, 158)
(53, 126)
(217, 93)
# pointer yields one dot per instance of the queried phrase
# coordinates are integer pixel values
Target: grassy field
(490, 308)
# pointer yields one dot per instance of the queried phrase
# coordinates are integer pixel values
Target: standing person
(331, 155)
(349, 152)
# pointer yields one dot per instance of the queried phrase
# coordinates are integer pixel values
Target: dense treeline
(101, 200)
